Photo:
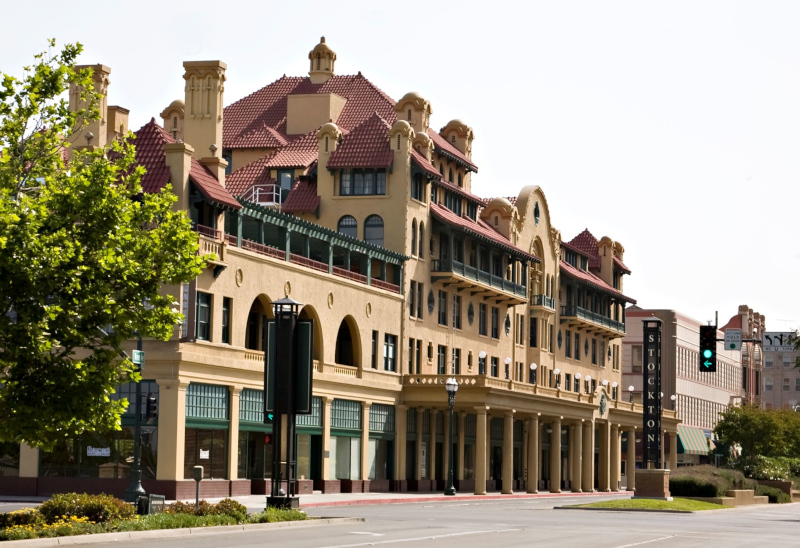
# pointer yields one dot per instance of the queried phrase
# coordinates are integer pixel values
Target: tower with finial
(322, 58)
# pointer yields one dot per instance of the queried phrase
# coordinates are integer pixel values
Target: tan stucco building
(325, 189)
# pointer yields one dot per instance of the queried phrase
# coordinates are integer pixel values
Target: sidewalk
(357, 499)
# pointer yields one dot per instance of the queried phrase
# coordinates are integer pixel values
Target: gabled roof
(478, 228)
(586, 244)
(734, 323)
(299, 153)
(260, 137)
(303, 197)
(255, 173)
(268, 105)
(424, 164)
(444, 147)
(621, 265)
(365, 146)
(591, 279)
(150, 141)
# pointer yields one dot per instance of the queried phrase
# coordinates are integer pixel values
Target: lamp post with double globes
(452, 387)
(508, 367)
(533, 373)
(631, 388)
(482, 362)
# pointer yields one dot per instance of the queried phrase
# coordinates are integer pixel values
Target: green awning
(692, 440)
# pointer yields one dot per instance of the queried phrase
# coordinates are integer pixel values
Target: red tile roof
(150, 141)
(268, 105)
(302, 198)
(460, 191)
(734, 323)
(255, 173)
(480, 229)
(592, 280)
(448, 149)
(424, 164)
(586, 244)
(621, 265)
(260, 137)
(365, 146)
(301, 152)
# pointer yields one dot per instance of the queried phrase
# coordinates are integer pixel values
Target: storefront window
(208, 448)
(345, 461)
(255, 455)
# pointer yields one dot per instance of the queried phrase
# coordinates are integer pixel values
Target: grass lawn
(649, 504)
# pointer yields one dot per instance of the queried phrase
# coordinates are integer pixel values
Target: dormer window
(584, 263)
(571, 257)
(362, 182)
(452, 202)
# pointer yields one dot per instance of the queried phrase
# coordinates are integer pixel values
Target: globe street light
(533, 373)
(482, 362)
(557, 373)
(674, 399)
(588, 383)
(578, 382)
(630, 392)
(452, 387)
(614, 389)
(508, 363)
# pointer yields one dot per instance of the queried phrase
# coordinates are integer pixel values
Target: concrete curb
(462, 498)
(169, 533)
(631, 510)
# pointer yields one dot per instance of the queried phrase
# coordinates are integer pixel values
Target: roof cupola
(322, 58)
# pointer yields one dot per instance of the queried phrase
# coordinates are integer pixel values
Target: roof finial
(322, 40)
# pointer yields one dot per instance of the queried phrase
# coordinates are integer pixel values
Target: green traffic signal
(707, 353)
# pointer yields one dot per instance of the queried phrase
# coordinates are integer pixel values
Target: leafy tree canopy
(760, 432)
(84, 255)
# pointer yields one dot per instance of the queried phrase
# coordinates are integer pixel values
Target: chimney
(179, 162)
(93, 134)
(117, 122)
(202, 124)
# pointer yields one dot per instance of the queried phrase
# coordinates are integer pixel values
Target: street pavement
(517, 522)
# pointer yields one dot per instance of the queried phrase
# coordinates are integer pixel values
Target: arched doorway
(255, 331)
(347, 343)
(308, 313)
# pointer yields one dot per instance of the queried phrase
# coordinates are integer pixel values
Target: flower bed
(74, 514)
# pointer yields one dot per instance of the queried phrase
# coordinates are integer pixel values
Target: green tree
(760, 432)
(84, 255)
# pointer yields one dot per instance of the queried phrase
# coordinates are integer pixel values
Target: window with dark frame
(419, 300)
(456, 367)
(412, 299)
(389, 348)
(495, 322)
(362, 182)
(442, 307)
(374, 350)
(226, 320)
(418, 187)
(495, 366)
(203, 315)
(533, 335)
(441, 363)
(457, 311)
(568, 344)
(482, 319)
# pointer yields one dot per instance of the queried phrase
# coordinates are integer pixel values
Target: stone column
(587, 475)
(630, 467)
(525, 434)
(326, 437)
(233, 433)
(432, 448)
(508, 453)
(172, 429)
(480, 452)
(576, 445)
(401, 429)
(555, 455)
(604, 475)
(446, 446)
(488, 450)
(418, 471)
(615, 458)
(365, 407)
(533, 454)
(673, 451)
(462, 424)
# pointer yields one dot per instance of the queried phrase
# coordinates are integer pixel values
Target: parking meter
(197, 473)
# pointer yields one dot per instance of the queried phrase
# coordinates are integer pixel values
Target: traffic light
(152, 407)
(708, 348)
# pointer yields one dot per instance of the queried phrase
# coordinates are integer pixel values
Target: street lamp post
(508, 367)
(630, 393)
(135, 488)
(674, 399)
(482, 362)
(452, 387)
(533, 373)
(557, 373)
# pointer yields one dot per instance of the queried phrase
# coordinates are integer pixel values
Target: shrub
(271, 515)
(765, 468)
(775, 495)
(707, 481)
(230, 507)
(225, 507)
(25, 516)
(96, 508)
(688, 486)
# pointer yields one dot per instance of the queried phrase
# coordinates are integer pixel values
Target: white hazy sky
(672, 127)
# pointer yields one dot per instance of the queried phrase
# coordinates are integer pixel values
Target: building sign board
(651, 416)
(733, 339)
(773, 341)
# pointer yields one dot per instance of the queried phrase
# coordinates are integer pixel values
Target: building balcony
(543, 301)
(456, 273)
(575, 316)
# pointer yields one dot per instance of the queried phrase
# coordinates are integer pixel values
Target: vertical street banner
(651, 392)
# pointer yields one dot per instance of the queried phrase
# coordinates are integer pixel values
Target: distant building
(781, 375)
(698, 397)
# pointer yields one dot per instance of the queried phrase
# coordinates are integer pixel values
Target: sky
(671, 127)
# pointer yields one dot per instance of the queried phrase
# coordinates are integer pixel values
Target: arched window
(459, 180)
(348, 226)
(421, 238)
(318, 62)
(409, 115)
(453, 139)
(175, 121)
(441, 169)
(373, 230)
(414, 237)
(496, 220)
(326, 143)
(450, 175)
(398, 141)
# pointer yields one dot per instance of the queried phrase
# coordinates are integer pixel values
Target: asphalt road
(522, 522)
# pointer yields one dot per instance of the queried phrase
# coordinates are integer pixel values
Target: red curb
(365, 502)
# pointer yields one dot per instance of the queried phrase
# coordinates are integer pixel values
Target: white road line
(645, 542)
(417, 539)
(367, 533)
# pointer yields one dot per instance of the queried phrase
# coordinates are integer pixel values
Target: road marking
(417, 539)
(645, 542)
(367, 533)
